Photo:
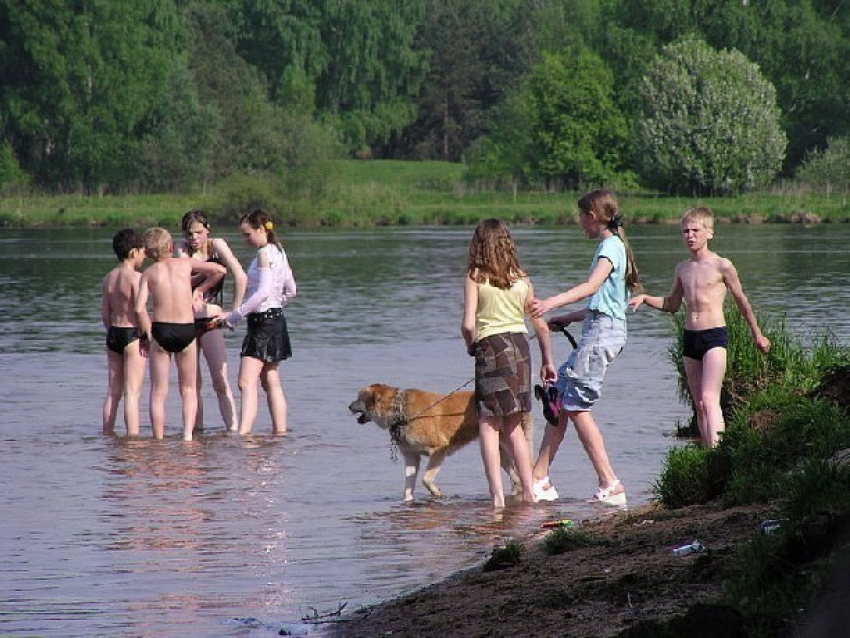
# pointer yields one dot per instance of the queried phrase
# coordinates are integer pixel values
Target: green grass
(351, 193)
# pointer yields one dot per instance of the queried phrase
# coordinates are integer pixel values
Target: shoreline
(624, 581)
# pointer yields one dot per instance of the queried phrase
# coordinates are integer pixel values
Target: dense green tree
(574, 133)
(477, 52)
(355, 60)
(801, 46)
(179, 150)
(710, 122)
(78, 81)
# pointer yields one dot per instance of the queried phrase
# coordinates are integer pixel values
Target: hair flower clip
(269, 225)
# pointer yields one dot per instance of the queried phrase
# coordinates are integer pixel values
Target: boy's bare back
(120, 288)
(169, 284)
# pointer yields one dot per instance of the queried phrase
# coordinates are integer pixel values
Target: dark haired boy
(124, 357)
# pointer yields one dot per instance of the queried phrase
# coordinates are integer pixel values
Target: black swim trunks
(173, 337)
(119, 337)
(695, 343)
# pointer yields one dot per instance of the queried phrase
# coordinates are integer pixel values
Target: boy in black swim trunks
(124, 360)
(168, 282)
(702, 281)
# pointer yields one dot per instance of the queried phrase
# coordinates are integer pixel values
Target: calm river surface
(231, 536)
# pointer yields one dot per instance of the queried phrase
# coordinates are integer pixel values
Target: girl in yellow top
(495, 300)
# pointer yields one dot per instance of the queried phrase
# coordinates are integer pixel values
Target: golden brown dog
(426, 424)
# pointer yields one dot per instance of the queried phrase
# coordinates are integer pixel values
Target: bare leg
(199, 416)
(705, 380)
(519, 450)
(488, 428)
(552, 438)
(134, 377)
(215, 352)
(160, 362)
(114, 390)
(249, 376)
(276, 400)
(187, 378)
(594, 446)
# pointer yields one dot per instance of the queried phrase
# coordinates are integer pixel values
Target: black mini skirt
(267, 338)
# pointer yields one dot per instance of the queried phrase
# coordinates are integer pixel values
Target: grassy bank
(353, 193)
(787, 444)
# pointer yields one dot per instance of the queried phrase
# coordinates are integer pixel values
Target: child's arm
(240, 279)
(470, 307)
(105, 305)
(733, 284)
(212, 274)
(544, 340)
(594, 282)
(142, 318)
(671, 303)
(290, 289)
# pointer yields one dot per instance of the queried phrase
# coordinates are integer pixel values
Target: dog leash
(401, 422)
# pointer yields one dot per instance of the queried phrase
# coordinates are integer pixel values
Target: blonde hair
(701, 215)
(493, 255)
(603, 204)
(158, 243)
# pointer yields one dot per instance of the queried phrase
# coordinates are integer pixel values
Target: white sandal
(606, 495)
(542, 493)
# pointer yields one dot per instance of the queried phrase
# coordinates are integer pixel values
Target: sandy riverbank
(627, 583)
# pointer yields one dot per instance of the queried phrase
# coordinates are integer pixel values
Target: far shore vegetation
(363, 193)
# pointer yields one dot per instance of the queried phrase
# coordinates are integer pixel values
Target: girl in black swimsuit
(199, 245)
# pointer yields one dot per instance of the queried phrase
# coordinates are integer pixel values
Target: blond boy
(702, 281)
(171, 331)
(124, 359)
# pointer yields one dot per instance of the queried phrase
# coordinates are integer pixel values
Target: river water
(246, 536)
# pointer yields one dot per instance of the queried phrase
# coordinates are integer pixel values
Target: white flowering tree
(710, 122)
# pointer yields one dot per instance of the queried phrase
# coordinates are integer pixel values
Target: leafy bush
(710, 122)
(12, 177)
(829, 168)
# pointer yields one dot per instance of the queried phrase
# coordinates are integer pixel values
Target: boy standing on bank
(124, 359)
(702, 281)
(168, 282)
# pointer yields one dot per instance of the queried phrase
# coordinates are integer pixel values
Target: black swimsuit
(118, 338)
(695, 343)
(173, 337)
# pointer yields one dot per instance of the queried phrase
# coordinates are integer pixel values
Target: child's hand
(144, 345)
(763, 343)
(636, 302)
(548, 374)
(198, 303)
(539, 307)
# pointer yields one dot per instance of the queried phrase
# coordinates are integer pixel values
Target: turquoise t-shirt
(611, 297)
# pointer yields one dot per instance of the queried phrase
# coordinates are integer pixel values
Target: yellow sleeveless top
(501, 310)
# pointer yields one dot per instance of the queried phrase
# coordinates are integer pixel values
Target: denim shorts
(580, 378)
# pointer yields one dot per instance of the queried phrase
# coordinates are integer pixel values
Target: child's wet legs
(270, 379)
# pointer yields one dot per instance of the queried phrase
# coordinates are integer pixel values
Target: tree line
(171, 95)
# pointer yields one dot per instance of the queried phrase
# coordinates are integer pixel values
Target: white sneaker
(543, 493)
(606, 496)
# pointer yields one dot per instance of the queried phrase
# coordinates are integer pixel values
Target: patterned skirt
(502, 375)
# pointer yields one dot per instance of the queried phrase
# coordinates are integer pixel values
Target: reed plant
(774, 417)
